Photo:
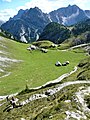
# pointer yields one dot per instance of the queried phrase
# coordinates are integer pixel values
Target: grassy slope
(36, 69)
(73, 41)
(43, 44)
(53, 107)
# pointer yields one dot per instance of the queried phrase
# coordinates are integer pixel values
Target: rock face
(28, 24)
(68, 15)
(87, 12)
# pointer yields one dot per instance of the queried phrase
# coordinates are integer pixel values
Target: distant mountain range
(28, 24)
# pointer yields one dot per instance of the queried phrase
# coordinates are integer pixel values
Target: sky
(9, 8)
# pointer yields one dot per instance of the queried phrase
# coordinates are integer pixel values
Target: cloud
(7, 0)
(7, 13)
(45, 5)
(50, 5)
(82, 4)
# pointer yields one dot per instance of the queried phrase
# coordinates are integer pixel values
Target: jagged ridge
(27, 25)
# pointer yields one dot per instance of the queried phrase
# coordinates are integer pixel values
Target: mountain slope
(68, 99)
(87, 12)
(81, 27)
(27, 25)
(68, 15)
(33, 68)
(55, 32)
(74, 35)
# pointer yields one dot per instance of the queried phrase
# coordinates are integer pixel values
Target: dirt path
(77, 46)
(56, 80)
(48, 83)
(53, 91)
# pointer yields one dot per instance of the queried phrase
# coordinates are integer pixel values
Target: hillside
(73, 35)
(55, 32)
(28, 69)
(75, 41)
(33, 68)
(65, 100)
(81, 27)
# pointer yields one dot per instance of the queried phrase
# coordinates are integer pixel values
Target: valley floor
(31, 68)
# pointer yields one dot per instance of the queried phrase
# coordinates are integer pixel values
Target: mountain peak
(19, 14)
(69, 5)
(72, 6)
(75, 5)
(35, 9)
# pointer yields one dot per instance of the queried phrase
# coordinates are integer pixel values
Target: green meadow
(36, 68)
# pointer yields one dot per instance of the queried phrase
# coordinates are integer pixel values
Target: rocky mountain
(68, 15)
(19, 15)
(28, 24)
